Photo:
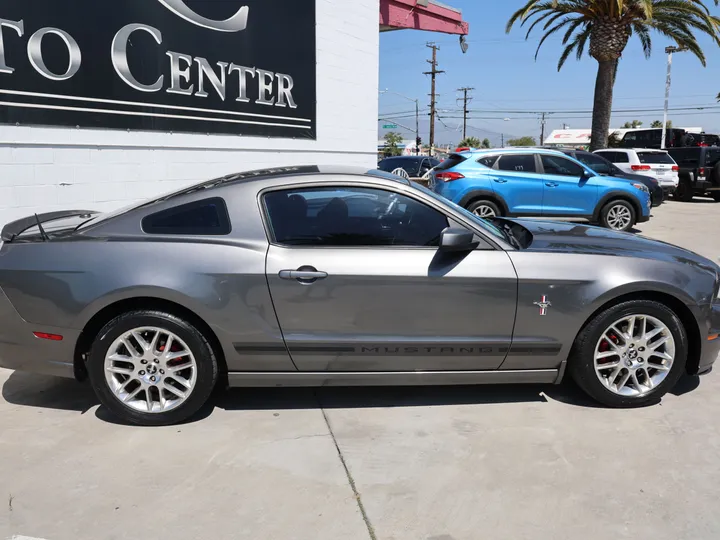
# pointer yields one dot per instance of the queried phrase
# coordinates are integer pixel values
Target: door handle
(499, 180)
(552, 184)
(304, 274)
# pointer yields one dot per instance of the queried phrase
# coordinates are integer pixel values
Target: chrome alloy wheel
(150, 370)
(619, 217)
(634, 355)
(484, 211)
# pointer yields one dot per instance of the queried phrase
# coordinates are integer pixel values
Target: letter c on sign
(35, 54)
(120, 61)
(236, 23)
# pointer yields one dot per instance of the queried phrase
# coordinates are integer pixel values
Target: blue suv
(534, 182)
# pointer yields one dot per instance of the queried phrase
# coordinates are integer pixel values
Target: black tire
(684, 192)
(716, 196)
(207, 368)
(479, 203)
(604, 213)
(582, 356)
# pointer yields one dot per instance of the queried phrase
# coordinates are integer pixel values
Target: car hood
(565, 237)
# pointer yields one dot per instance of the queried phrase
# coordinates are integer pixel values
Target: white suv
(646, 161)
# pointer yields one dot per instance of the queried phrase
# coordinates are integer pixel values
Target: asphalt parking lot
(467, 463)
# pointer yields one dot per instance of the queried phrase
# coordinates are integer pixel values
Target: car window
(655, 158)
(205, 217)
(434, 162)
(712, 157)
(389, 164)
(451, 161)
(561, 166)
(596, 163)
(620, 157)
(517, 163)
(630, 136)
(488, 161)
(351, 217)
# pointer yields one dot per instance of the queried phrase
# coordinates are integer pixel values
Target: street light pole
(417, 114)
(669, 51)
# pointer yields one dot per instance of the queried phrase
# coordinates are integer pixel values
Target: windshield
(484, 224)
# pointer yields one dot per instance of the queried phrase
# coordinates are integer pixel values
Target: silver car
(308, 276)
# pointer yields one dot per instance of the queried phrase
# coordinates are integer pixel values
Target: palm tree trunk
(603, 104)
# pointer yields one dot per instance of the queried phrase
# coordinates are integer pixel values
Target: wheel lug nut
(641, 349)
(141, 373)
(162, 372)
(156, 361)
(152, 379)
(143, 361)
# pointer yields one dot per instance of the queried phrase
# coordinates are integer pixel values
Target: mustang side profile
(306, 276)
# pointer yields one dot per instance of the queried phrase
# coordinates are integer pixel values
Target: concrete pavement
(468, 463)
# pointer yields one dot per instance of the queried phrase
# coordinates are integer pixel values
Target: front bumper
(710, 347)
(21, 350)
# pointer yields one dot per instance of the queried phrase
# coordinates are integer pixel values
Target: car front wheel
(152, 368)
(630, 354)
(618, 215)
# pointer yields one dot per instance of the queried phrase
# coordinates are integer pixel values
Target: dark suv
(699, 171)
(415, 166)
(606, 168)
(651, 138)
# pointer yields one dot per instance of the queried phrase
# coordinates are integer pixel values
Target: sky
(505, 77)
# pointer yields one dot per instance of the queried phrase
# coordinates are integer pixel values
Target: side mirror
(586, 175)
(457, 240)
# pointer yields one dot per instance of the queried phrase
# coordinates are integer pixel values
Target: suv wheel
(684, 192)
(152, 368)
(630, 354)
(484, 208)
(618, 215)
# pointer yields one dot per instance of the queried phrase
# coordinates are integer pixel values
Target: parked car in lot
(604, 167)
(414, 166)
(652, 138)
(307, 276)
(654, 163)
(704, 139)
(538, 182)
(699, 172)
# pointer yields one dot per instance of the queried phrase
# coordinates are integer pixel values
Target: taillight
(701, 171)
(448, 176)
(640, 167)
(676, 168)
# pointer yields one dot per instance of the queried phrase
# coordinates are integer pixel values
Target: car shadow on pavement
(31, 390)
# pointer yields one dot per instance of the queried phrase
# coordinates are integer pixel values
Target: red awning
(428, 15)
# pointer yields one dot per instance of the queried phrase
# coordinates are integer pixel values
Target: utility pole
(502, 140)
(669, 51)
(542, 130)
(432, 74)
(465, 108)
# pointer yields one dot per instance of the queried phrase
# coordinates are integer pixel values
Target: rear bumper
(710, 348)
(21, 350)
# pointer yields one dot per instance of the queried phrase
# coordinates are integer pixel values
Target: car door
(569, 191)
(516, 180)
(358, 283)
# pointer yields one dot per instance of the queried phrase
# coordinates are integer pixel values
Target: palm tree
(608, 25)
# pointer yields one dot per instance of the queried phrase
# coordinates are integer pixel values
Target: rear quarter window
(208, 217)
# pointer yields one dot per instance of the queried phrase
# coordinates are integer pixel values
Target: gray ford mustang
(307, 276)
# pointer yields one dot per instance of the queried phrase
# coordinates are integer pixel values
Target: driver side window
(351, 217)
(561, 166)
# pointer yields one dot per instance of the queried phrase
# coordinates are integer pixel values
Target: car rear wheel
(630, 355)
(152, 368)
(484, 208)
(618, 215)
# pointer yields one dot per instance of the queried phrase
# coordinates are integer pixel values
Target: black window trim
(223, 214)
(453, 220)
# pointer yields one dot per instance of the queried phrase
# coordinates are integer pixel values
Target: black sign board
(205, 66)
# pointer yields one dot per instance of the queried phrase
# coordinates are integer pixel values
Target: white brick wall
(44, 169)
